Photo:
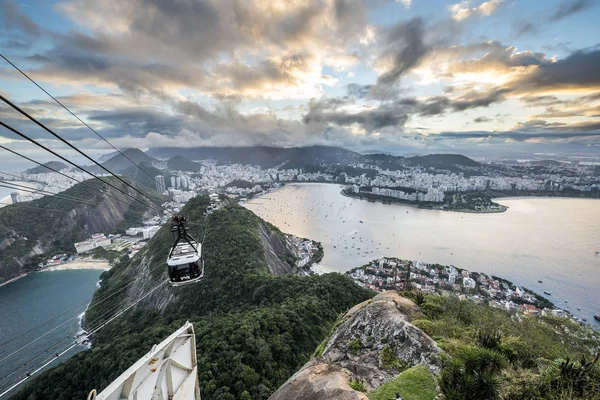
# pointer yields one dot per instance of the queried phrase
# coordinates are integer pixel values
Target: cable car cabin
(186, 264)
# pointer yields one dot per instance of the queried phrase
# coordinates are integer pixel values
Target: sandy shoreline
(101, 265)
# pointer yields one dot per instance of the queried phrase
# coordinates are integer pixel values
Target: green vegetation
(242, 184)
(145, 179)
(319, 351)
(253, 330)
(416, 383)
(56, 223)
(357, 385)
(513, 357)
(355, 345)
(389, 360)
(180, 163)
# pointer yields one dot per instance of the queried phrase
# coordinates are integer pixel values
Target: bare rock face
(318, 381)
(374, 343)
(276, 247)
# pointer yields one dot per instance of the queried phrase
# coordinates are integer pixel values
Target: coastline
(392, 200)
(100, 265)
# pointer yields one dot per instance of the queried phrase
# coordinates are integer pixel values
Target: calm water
(552, 240)
(37, 298)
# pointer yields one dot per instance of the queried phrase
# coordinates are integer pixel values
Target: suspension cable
(57, 195)
(58, 172)
(98, 303)
(73, 114)
(50, 131)
(77, 166)
(57, 355)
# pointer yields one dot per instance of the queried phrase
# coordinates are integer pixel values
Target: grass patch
(415, 383)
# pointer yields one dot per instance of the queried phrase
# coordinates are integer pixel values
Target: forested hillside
(253, 329)
(32, 230)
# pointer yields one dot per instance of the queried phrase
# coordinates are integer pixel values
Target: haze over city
(406, 77)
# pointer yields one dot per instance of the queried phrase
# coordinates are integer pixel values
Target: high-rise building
(160, 183)
(173, 181)
(14, 196)
(178, 182)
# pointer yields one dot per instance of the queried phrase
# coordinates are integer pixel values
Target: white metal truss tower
(167, 372)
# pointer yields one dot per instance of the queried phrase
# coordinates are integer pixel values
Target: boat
(360, 222)
(597, 317)
(540, 282)
(548, 293)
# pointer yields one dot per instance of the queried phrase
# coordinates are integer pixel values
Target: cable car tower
(185, 261)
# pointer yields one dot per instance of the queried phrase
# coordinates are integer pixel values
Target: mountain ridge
(41, 169)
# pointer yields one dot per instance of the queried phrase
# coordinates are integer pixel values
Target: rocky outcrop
(373, 344)
(276, 248)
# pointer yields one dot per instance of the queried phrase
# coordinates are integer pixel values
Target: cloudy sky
(411, 76)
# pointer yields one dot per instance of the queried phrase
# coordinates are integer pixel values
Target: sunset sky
(408, 76)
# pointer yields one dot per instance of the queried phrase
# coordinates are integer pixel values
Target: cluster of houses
(395, 274)
(57, 260)
(305, 250)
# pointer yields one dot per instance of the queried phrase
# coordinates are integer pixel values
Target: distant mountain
(546, 163)
(266, 157)
(107, 156)
(138, 175)
(42, 170)
(119, 163)
(180, 163)
(442, 161)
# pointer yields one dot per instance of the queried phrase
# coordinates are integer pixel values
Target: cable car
(185, 262)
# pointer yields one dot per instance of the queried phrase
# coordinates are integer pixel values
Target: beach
(100, 264)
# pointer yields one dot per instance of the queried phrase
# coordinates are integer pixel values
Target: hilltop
(307, 157)
(180, 163)
(263, 156)
(40, 169)
(32, 230)
(423, 345)
(254, 329)
(120, 163)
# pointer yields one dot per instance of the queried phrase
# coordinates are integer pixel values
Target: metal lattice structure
(167, 372)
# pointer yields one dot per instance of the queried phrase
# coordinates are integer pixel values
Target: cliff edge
(373, 343)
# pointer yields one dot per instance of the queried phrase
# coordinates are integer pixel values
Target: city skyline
(408, 77)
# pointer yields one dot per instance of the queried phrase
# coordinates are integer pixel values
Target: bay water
(553, 240)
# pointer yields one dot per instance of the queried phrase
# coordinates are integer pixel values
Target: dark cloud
(478, 99)
(393, 114)
(584, 128)
(482, 119)
(328, 112)
(578, 70)
(405, 46)
(546, 100)
(13, 17)
(524, 28)
(569, 7)
(351, 16)
(534, 25)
